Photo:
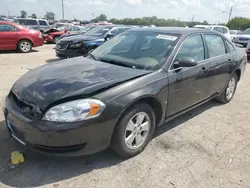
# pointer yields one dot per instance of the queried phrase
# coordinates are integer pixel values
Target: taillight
(40, 35)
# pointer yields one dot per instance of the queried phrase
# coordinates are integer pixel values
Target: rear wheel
(24, 46)
(134, 130)
(229, 92)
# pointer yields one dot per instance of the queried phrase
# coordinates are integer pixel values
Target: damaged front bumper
(54, 138)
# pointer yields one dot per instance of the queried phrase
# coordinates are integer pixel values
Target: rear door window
(42, 22)
(27, 22)
(216, 46)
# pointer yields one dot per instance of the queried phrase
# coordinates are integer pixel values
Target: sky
(210, 10)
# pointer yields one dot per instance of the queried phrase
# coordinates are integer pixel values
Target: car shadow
(185, 117)
(39, 170)
(15, 51)
(52, 60)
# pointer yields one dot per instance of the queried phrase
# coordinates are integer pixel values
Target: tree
(33, 16)
(49, 16)
(102, 17)
(205, 22)
(239, 23)
(23, 14)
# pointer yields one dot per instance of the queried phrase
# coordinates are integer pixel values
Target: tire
(24, 46)
(118, 143)
(55, 39)
(224, 97)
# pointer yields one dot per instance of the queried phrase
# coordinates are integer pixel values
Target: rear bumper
(38, 42)
(61, 139)
(48, 38)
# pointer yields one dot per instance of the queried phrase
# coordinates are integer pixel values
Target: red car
(53, 34)
(14, 36)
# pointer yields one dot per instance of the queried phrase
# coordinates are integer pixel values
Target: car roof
(174, 30)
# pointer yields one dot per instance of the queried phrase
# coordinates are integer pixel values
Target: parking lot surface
(207, 147)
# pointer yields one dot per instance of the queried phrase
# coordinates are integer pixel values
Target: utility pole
(62, 9)
(193, 19)
(230, 13)
(8, 14)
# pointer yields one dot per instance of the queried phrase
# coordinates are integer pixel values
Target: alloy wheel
(137, 130)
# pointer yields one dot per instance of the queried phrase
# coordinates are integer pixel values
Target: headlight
(75, 111)
(76, 45)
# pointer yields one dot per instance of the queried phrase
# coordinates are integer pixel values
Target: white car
(234, 33)
(219, 28)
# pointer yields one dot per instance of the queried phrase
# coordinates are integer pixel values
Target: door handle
(203, 70)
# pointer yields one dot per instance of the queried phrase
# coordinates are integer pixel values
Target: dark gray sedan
(117, 95)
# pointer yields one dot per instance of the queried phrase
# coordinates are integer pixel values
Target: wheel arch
(25, 39)
(238, 73)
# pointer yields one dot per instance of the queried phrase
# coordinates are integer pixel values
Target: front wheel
(134, 130)
(24, 46)
(229, 92)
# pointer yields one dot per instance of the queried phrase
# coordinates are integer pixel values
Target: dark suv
(37, 24)
(81, 44)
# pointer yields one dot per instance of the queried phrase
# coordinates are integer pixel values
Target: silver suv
(38, 24)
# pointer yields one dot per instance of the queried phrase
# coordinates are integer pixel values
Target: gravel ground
(207, 147)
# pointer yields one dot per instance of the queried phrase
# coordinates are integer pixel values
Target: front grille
(61, 46)
(25, 109)
(66, 149)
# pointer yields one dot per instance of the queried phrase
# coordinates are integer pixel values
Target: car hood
(76, 77)
(78, 38)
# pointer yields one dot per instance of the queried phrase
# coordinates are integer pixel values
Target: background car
(14, 36)
(58, 24)
(37, 24)
(243, 38)
(222, 29)
(82, 31)
(81, 44)
(248, 51)
(53, 35)
(233, 33)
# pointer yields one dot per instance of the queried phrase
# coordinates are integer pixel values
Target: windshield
(247, 31)
(85, 29)
(99, 31)
(137, 49)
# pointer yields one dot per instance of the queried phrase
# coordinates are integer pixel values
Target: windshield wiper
(117, 63)
(91, 55)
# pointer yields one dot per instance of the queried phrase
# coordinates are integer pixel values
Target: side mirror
(109, 36)
(185, 62)
(66, 31)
